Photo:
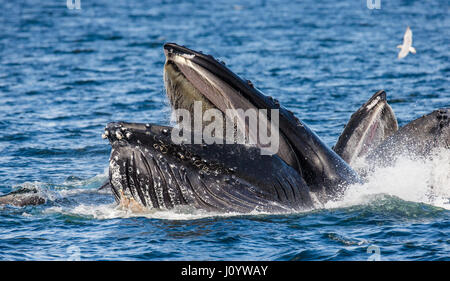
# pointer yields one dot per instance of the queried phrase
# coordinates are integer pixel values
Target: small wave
(346, 241)
(90, 183)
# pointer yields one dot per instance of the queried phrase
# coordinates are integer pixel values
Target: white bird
(407, 44)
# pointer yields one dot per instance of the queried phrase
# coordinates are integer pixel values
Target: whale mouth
(150, 170)
(211, 79)
(367, 128)
(192, 76)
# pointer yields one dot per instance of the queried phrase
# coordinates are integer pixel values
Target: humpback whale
(149, 170)
(300, 147)
(372, 134)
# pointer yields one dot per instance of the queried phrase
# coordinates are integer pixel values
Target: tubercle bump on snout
(114, 132)
(443, 117)
(126, 132)
(443, 114)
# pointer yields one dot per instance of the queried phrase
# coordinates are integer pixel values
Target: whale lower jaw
(148, 171)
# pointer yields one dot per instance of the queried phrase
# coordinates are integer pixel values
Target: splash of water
(408, 178)
(112, 211)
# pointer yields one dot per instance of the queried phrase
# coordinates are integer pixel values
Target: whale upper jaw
(190, 75)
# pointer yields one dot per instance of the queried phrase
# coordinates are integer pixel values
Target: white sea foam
(415, 180)
(112, 211)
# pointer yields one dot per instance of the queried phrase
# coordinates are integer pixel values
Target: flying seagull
(407, 44)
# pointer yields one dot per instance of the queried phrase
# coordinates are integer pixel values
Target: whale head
(368, 127)
(193, 76)
(417, 139)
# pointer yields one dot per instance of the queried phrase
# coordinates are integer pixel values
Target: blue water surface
(64, 74)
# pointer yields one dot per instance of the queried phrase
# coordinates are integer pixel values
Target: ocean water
(64, 74)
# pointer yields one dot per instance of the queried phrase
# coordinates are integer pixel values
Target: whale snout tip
(171, 48)
(114, 131)
(378, 98)
(168, 49)
(137, 133)
(169, 45)
(381, 94)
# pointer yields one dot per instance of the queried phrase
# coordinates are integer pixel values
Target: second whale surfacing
(372, 136)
